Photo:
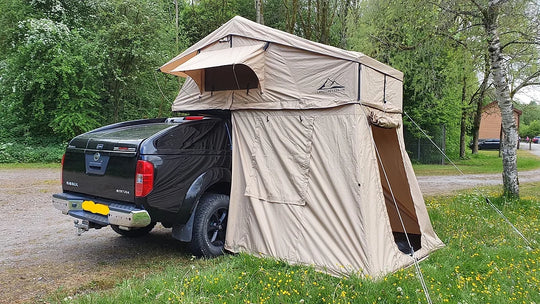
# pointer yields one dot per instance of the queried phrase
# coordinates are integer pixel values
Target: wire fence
(420, 148)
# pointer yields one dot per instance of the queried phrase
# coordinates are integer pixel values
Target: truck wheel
(134, 232)
(209, 225)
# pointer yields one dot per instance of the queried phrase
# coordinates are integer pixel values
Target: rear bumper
(121, 214)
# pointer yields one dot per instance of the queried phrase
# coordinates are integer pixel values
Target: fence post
(418, 154)
(443, 143)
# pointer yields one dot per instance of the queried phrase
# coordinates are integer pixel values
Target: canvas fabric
(310, 195)
(292, 73)
(320, 174)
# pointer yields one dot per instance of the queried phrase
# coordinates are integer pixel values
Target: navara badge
(97, 156)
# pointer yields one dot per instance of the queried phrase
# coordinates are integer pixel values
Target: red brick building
(490, 125)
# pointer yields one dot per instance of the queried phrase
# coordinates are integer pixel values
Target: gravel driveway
(40, 252)
(432, 185)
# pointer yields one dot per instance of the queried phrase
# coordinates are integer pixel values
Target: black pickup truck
(131, 175)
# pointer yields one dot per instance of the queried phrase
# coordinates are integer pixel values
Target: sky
(526, 95)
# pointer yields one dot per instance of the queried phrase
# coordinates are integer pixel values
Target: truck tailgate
(103, 163)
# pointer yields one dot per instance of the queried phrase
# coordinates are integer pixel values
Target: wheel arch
(215, 180)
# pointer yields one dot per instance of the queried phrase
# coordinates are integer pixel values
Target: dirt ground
(40, 252)
(436, 185)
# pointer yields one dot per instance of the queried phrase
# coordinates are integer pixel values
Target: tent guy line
(501, 214)
(419, 273)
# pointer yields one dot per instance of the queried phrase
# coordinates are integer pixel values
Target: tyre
(134, 232)
(209, 226)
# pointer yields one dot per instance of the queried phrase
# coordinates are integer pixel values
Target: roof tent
(320, 172)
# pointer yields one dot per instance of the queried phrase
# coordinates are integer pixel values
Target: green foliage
(482, 162)
(531, 130)
(45, 80)
(31, 151)
(135, 38)
(200, 18)
(483, 262)
(12, 11)
(70, 66)
(405, 36)
(317, 20)
(531, 112)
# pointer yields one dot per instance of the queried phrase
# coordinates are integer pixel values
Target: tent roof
(242, 27)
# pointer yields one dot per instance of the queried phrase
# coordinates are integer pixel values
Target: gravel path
(432, 185)
(40, 252)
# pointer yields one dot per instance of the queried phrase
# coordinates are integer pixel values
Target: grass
(29, 165)
(483, 162)
(484, 261)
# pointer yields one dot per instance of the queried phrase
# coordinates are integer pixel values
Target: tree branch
(520, 42)
(526, 83)
(453, 11)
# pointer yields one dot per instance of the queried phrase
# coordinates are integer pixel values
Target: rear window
(131, 132)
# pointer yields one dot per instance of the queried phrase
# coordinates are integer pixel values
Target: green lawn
(483, 162)
(484, 261)
(29, 165)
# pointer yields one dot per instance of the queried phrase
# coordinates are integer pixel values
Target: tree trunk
(463, 129)
(462, 133)
(291, 11)
(478, 97)
(476, 124)
(510, 135)
(259, 10)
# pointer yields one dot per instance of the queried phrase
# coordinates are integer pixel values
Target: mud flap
(184, 233)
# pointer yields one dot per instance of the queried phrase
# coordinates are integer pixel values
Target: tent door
(396, 189)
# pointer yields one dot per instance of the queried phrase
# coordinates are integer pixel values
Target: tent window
(230, 77)
(282, 147)
(386, 141)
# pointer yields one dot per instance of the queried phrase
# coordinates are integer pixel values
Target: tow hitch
(82, 226)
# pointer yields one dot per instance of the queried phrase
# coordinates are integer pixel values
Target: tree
(405, 37)
(202, 17)
(531, 130)
(506, 25)
(259, 5)
(135, 38)
(531, 112)
(317, 20)
(47, 86)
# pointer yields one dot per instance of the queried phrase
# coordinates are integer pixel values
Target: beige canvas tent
(320, 172)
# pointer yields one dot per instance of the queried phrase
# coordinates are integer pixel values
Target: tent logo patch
(330, 86)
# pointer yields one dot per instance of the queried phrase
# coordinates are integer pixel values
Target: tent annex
(320, 173)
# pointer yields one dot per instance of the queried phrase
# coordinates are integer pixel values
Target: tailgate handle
(96, 167)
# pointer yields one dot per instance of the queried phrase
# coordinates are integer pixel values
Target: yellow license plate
(90, 206)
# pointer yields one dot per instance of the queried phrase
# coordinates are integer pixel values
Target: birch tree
(510, 34)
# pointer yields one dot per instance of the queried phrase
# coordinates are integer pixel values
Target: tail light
(144, 178)
(193, 117)
(62, 171)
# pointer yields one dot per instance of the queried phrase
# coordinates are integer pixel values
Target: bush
(38, 152)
